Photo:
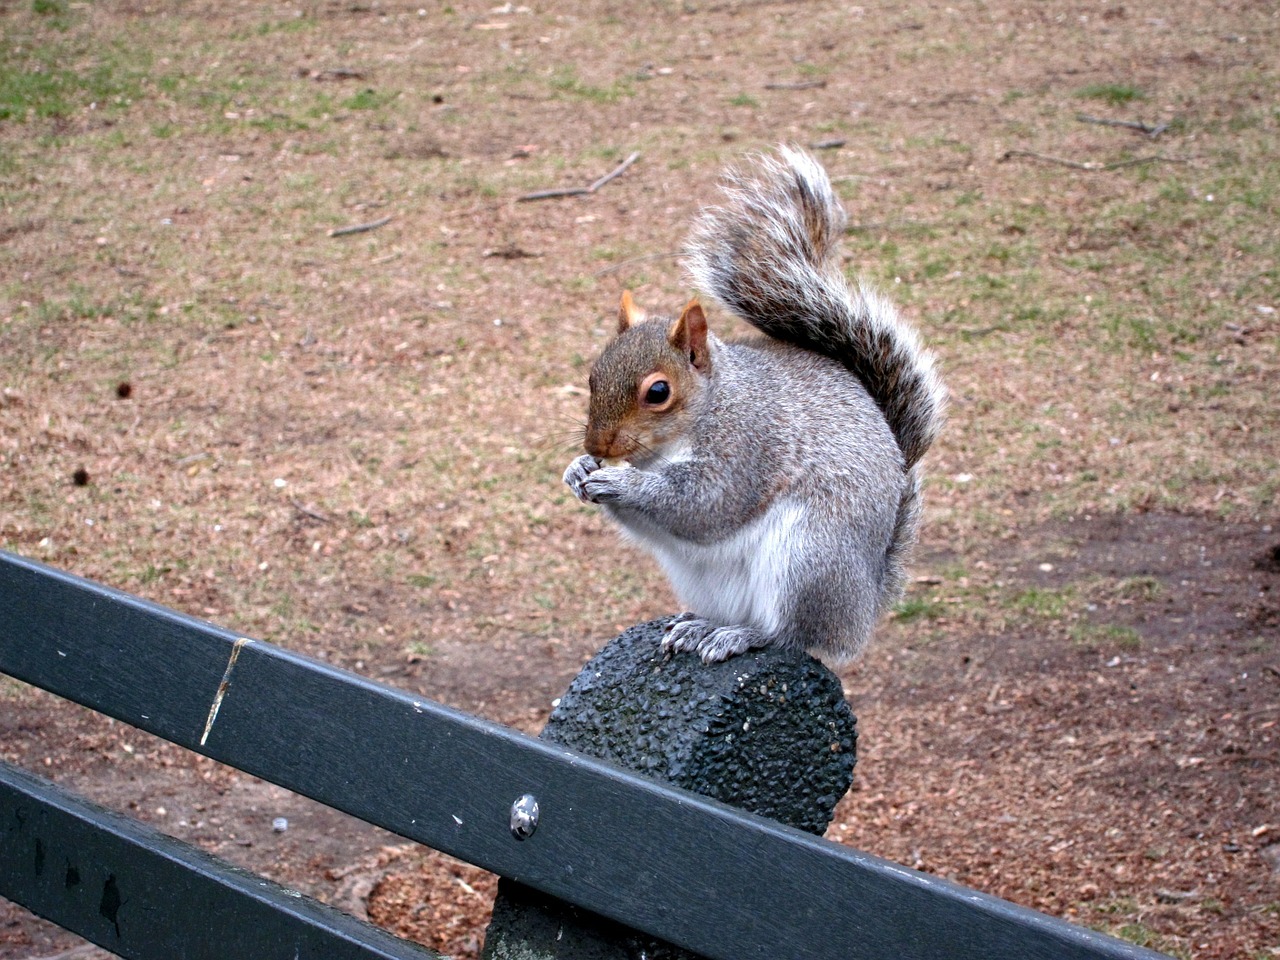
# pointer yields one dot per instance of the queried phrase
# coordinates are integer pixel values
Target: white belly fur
(741, 579)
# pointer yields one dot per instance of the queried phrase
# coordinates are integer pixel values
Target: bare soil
(351, 445)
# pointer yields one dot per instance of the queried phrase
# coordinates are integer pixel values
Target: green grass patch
(1130, 331)
(1044, 603)
(918, 608)
(278, 123)
(56, 13)
(80, 304)
(565, 80)
(1111, 636)
(41, 85)
(1144, 936)
(1115, 94)
(369, 99)
(294, 24)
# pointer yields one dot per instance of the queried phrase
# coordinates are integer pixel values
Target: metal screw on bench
(524, 817)
(768, 731)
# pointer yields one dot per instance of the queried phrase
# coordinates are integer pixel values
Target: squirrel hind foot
(713, 643)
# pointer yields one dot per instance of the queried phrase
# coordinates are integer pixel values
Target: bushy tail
(770, 255)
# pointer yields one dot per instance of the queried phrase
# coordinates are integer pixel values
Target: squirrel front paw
(692, 634)
(592, 482)
(576, 475)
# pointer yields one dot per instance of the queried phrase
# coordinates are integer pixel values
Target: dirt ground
(351, 444)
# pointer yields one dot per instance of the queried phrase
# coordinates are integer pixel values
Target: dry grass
(352, 445)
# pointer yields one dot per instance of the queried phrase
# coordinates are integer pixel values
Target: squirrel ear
(689, 335)
(628, 313)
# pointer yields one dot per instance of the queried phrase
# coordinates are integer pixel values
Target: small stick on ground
(359, 227)
(510, 252)
(338, 73)
(581, 191)
(1089, 165)
(615, 172)
(548, 194)
(1138, 125)
(800, 85)
(308, 512)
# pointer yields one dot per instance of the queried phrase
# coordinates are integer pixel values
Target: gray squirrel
(776, 478)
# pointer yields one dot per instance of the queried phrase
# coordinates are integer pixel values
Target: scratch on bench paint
(222, 687)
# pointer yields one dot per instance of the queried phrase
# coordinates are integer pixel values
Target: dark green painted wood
(717, 881)
(146, 896)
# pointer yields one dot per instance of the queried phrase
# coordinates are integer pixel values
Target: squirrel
(776, 478)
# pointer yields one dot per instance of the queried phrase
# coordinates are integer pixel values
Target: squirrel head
(645, 383)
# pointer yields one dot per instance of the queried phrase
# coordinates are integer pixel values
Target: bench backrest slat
(145, 895)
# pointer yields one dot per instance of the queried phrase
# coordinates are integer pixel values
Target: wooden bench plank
(717, 881)
(145, 895)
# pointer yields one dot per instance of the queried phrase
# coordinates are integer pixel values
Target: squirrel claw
(668, 644)
(592, 482)
(576, 475)
(727, 642)
(684, 634)
(691, 634)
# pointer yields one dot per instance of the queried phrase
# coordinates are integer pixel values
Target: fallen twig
(338, 73)
(548, 194)
(509, 252)
(307, 511)
(800, 85)
(581, 191)
(616, 172)
(828, 144)
(359, 227)
(1138, 125)
(1089, 165)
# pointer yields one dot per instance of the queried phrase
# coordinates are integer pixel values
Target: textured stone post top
(768, 731)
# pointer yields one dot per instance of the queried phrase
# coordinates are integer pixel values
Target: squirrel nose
(601, 443)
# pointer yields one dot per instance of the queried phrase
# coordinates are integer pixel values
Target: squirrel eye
(658, 393)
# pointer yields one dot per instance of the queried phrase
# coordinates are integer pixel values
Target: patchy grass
(1144, 936)
(916, 607)
(1106, 636)
(565, 80)
(1043, 603)
(37, 84)
(1115, 94)
(368, 100)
